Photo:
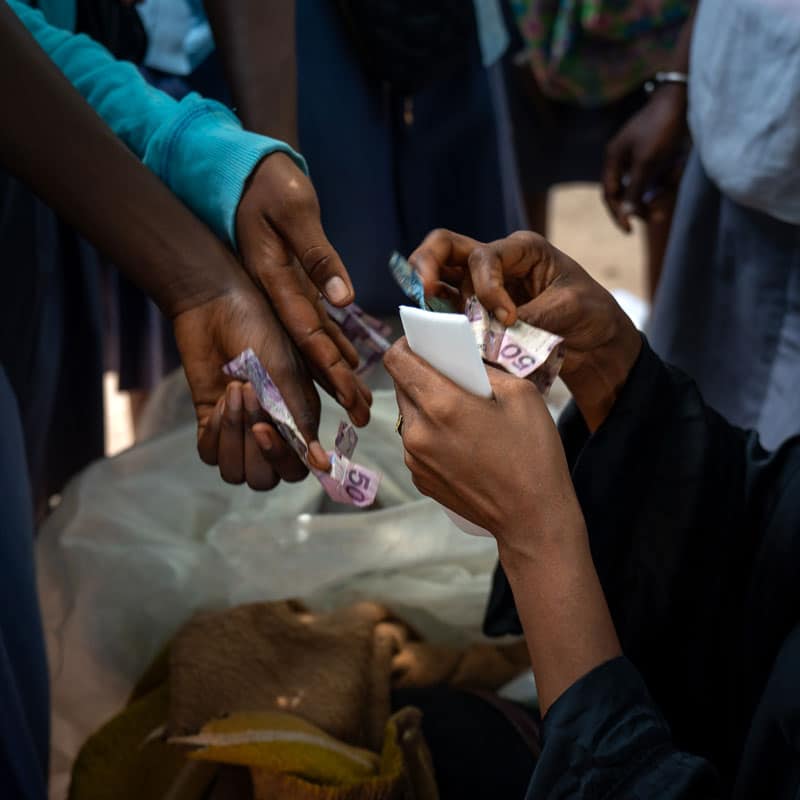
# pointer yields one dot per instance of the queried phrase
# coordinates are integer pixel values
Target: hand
(500, 464)
(525, 277)
(497, 462)
(232, 430)
(644, 154)
(285, 250)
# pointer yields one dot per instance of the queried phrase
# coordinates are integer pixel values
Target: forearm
(99, 187)
(256, 41)
(603, 373)
(680, 61)
(563, 611)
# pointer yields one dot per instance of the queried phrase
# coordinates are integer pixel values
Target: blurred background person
(392, 102)
(728, 309)
(576, 79)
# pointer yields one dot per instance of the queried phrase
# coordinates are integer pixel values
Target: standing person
(577, 86)
(728, 310)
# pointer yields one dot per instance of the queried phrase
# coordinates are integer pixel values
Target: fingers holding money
(442, 259)
(264, 445)
(238, 439)
(503, 274)
(495, 462)
(518, 265)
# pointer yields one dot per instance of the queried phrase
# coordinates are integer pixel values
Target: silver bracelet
(662, 78)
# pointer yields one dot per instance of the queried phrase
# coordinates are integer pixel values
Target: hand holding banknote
(286, 252)
(524, 277)
(233, 432)
(497, 462)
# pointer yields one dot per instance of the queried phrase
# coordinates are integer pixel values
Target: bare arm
(53, 141)
(499, 462)
(256, 40)
(563, 611)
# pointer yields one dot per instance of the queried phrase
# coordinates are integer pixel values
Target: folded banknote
(347, 482)
(521, 349)
(367, 334)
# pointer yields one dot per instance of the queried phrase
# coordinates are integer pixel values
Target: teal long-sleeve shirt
(196, 146)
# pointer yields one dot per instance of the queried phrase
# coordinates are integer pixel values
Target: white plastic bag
(141, 541)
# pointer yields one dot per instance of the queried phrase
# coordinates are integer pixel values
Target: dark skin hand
(278, 221)
(524, 277)
(285, 251)
(233, 432)
(646, 152)
(499, 462)
(127, 213)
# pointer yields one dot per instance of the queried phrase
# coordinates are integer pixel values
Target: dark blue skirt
(389, 169)
(728, 307)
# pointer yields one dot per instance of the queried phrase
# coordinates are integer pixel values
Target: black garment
(478, 752)
(695, 533)
(50, 337)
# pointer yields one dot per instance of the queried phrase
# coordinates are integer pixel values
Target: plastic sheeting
(141, 541)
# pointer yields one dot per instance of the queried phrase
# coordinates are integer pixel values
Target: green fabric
(592, 52)
(127, 759)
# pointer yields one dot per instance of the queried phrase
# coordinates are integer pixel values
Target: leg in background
(658, 227)
(536, 209)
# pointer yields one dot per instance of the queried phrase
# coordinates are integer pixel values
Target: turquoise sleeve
(196, 146)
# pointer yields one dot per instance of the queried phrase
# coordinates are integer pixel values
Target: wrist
(200, 271)
(533, 540)
(597, 383)
(531, 553)
(674, 96)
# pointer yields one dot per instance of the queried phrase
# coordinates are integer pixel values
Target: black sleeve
(604, 738)
(694, 534)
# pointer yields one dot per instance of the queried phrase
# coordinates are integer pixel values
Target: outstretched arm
(247, 187)
(97, 185)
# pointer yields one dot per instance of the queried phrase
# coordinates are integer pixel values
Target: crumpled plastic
(141, 541)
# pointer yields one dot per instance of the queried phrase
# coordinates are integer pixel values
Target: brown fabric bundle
(242, 686)
(336, 670)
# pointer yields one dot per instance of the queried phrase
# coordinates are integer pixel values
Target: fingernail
(262, 439)
(501, 314)
(627, 209)
(336, 290)
(235, 398)
(320, 456)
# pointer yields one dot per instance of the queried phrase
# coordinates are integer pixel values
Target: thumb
(553, 310)
(304, 234)
(502, 382)
(632, 197)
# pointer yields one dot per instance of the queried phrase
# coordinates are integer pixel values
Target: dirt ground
(580, 227)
